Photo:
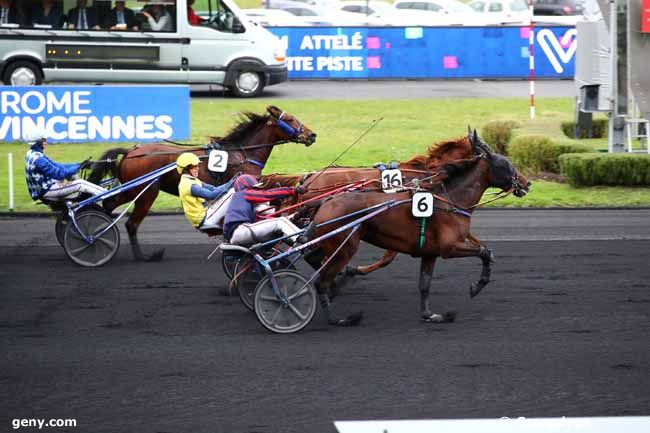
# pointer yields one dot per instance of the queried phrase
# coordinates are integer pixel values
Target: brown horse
(249, 145)
(418, 166)
(445, 233)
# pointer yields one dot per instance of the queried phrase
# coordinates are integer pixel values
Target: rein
(346, 187)
(374, 124)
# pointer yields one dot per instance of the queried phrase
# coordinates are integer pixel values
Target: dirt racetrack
(561, 331)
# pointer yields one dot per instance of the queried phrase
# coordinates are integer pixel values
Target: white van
(138, 41)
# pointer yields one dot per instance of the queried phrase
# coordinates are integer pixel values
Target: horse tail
(108, 163)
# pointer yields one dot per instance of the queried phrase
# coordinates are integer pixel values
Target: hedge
(590, 169)
(537, 153)
(598, 129)
(497, 133)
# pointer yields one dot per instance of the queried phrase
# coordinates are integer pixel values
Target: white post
(531, 59)
(11, 181)
(613, 78)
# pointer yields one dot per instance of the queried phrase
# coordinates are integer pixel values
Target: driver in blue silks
(50, 180)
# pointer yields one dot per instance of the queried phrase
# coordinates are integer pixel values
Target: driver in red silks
(192, 17)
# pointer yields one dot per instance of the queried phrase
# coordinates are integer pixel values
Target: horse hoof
(351, 271)
(157, 256)
(475, 289)
(351, 320)
(447, 317)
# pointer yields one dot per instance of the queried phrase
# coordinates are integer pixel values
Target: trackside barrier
(627, 424)
(427, 52)
(96, 113)
(10, 157)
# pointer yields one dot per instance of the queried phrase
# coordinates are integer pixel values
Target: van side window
(159, 16)
(222, 19)
(119, 18)
(42, 14)
(82, 16)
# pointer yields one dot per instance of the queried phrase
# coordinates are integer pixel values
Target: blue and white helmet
(35, 135)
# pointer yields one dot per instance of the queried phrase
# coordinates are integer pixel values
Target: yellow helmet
(186, 160)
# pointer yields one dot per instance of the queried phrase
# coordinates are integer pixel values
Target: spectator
(122, 18)
(82, 17)
(8, 12)
(192, 17)
(159, 19)
(48, 13)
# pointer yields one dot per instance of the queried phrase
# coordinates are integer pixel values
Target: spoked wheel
(101, 249)
(249, 273)
(228, 262)
(62, 221)
(60, 226)
(292, 316)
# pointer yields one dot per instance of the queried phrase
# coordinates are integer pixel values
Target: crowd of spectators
(156, 16)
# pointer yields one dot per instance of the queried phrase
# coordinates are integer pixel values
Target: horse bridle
(288, 129)
(284, 126)
(515, 185)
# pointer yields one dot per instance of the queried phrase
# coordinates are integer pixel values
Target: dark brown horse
(249, 145)
(445, 233)
(418, 166)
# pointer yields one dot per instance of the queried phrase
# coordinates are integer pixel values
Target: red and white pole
(531, 58)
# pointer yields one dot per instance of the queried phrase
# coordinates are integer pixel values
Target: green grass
(408, 126)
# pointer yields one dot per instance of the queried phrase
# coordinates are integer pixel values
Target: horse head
(290, 128)
(502, 174)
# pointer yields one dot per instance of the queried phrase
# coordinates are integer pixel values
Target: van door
(219, 38)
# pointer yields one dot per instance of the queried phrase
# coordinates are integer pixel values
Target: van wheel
(247, 84)
(22, 73)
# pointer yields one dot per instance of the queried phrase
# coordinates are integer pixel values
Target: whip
(370, 128)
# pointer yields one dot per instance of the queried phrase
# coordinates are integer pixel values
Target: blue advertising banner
(427, 52)
(96, 113)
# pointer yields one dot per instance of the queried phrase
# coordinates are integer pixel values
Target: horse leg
(473, 239)
(427, 265)
(386, 260)
(140, 211)
(463, 249)
(486, 258)
(326, 282)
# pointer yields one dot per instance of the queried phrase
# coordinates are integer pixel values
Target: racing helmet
(35, 136)
(245, 181)
(186, 160)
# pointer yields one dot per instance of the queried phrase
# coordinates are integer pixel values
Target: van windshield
(221, 18)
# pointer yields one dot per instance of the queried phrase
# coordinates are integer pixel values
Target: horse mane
(247, 122)
(456, 169)
(437, 152)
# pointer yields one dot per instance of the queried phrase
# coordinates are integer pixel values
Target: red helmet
(245, 181)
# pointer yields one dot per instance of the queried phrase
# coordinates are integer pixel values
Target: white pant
(215, 213)
(249, 234)
(63, 189)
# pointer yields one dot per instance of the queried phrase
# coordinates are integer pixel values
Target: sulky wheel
(228, 262)
(249, 273)
(100, 250)
(290, 316)
(62, 221)
(60, 226)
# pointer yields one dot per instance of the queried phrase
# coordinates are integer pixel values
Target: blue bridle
(288, 129)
